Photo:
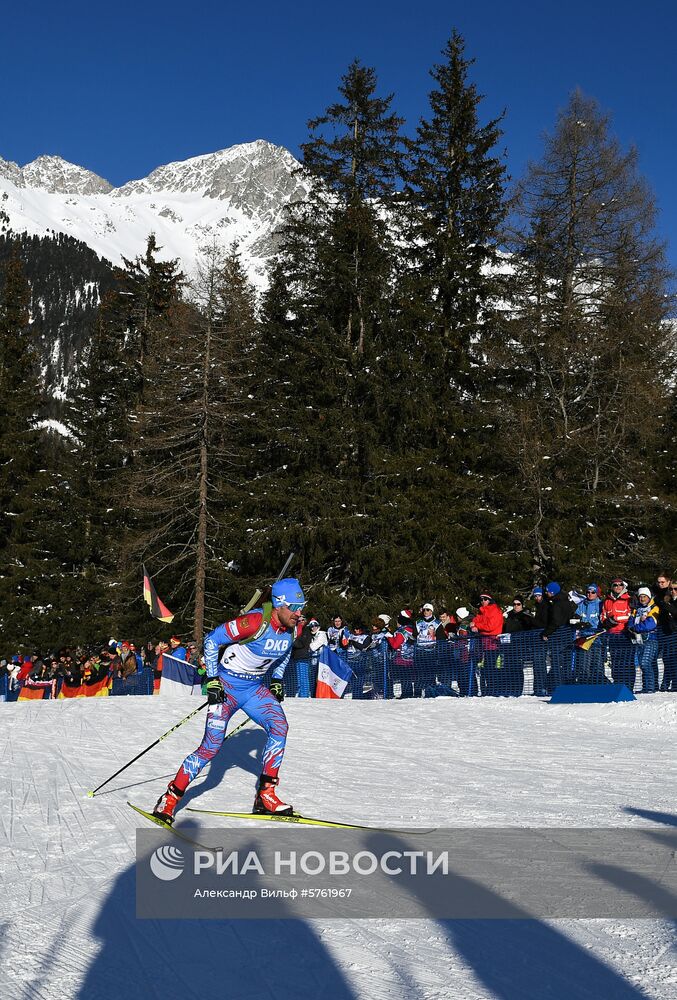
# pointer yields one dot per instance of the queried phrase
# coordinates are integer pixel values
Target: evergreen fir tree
(35, 512)
(184, 485)
(324, 426)
(150, 287)
(455, 207)
(105, 420)
(582, 377)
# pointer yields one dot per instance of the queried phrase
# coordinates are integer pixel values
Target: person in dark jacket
(538, 647)
(661, 592)
(300, 653)
(560, 610)
(667, 621)
(517, 620)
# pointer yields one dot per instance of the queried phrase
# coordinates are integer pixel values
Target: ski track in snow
(67, 923)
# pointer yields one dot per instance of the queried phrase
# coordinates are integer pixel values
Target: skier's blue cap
(288, 593)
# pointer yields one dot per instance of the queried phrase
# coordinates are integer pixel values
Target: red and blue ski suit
(240, 670)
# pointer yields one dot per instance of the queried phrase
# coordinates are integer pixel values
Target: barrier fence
(513, 665)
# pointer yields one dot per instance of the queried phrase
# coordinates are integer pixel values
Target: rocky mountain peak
(246, 174)
(58, 176)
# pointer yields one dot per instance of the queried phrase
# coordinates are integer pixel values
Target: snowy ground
(67, 923)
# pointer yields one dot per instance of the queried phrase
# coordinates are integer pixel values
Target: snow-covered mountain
(234, 195)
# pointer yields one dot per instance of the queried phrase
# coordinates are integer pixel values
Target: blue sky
(124, 87)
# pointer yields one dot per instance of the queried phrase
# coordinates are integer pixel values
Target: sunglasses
(296, 607)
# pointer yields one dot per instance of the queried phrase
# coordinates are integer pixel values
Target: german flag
(32, 693)
(585, 642)
(157, 608)
(95, 689)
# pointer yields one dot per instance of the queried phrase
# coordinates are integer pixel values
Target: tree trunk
(201, 551)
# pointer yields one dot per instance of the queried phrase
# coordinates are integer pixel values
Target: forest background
(455, 381)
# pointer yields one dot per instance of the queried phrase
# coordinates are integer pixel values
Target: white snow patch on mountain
(237, 195)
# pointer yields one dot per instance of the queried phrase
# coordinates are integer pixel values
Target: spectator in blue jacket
(641, 627)
(177, 649)
(590, 662)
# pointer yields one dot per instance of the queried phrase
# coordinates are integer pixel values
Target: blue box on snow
(577, 694)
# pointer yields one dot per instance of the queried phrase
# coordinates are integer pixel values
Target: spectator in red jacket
(617, 607)
(486, 625)
(616, 612)
(489, 619)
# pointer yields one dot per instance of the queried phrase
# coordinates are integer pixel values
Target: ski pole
(171, 773)
(161, 738)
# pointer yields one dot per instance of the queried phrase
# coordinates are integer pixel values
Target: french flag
(178, 677)
(333, 674)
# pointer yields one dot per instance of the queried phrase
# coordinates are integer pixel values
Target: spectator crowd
(579, 636)
(95, 669)
(563, 636)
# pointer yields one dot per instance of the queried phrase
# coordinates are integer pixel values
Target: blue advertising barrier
(578, 694)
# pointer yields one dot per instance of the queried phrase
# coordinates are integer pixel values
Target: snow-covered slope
(67, 908)
(235, 195)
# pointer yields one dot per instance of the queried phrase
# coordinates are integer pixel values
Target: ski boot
(167, 803)
(266, 800)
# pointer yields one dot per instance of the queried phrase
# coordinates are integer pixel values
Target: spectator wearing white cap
(318, 636)
(462, 653)
(378, 633)
(642, 628)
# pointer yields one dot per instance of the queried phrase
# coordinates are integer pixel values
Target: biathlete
(254, 642)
